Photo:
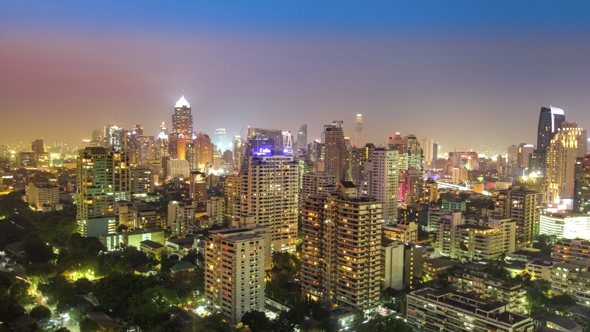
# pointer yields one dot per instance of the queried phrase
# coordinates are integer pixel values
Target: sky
(468, 74)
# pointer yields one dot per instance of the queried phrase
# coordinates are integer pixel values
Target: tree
(256, 321)
(283, 323)
(329, 324)
(122, 228)
(386, 324)
(88, 325)
(63, 329)
(19, 290)
(40, 313)
(286, 267)
(37, 251)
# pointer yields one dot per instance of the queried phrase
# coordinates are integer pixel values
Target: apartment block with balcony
(431, 310)
(573, 279)
(234, 272)
(341, 250)
(567, 250)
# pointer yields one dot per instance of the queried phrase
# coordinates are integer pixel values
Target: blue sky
(465, 73)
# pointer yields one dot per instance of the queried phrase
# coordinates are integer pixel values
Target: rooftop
(152, 244)
(182, 266)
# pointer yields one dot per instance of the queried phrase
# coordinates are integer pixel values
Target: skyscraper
(221, 139)
(336, 153)
(568, 144)
(582, 185)
(521, 206)
(550, 121)
(302, 138)
(414, 153)
(358, 137)
(269, 197)
(95, 192)
(182, 129)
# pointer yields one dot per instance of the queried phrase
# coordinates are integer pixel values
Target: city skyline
(300, 64)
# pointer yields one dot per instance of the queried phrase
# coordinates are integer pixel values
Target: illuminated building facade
(550, 121)
(336, 153)
(381, 181)
(521, 206)
(198, 190)
(234, 272)
(565, 226)
(269, 192)
(96, 188)
(568, 144)
(341, 251)
(317, 184)
(432, 310)
(358, 134)
(582, 185)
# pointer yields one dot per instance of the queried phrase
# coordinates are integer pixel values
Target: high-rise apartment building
(582, 185)
(550, 121)
(95, 197)
(317, 184)
(568, 144)
(341, 251)
(234, 272)
(336, 153)
(37, 146)
(269, 197)
(381, 181)
(232, 195)
(141, 181)
(204, 149)
(359, 158)
(430, 192)
(521, 206)
(198, 190)
(181, 217)
(427, 147)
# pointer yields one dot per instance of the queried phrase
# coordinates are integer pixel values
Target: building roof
(152, 244)
(558, 320)
(182, 266)
(347, 184)
(182, 102)
(103, 320)
(439, 262)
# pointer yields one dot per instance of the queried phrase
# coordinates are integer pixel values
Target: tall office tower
(115, 137)
(341, 250)
(234, 272)
(131, 146)
(381, 181)
(435, 148)
(221, 139)
(521, 206)
(524, 155)
(336, 155)
(95, 192)
(37, 146)
(316, 184)
(414, 152)
(204, 149)
(302, 138)
(550, 121)
(568, 144)
(269, 197)
(288, 142)
(97, 137)
(512, 160)
(147, 148)
(427, 146)
(582, 185)
(358, 134)
(162, 144)
(138, 129)
(182, 119)
(121, 176)
(198, 190)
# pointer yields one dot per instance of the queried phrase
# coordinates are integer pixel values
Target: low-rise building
(42, 193)
(153, 249)
(572, 278)
(403, 231)
(435, 266)
(433, 310)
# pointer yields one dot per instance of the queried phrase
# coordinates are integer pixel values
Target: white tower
(359, 130)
